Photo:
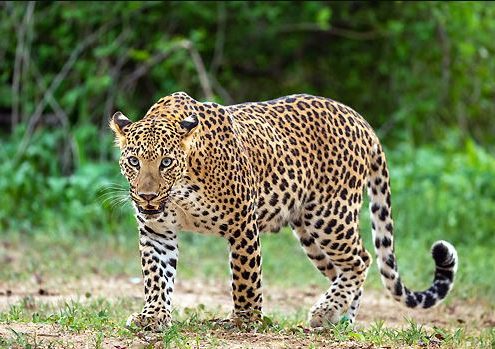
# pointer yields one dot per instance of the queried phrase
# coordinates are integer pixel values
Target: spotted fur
(236, 171)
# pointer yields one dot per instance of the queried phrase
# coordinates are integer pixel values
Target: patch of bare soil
(52, 336)
(215, 296)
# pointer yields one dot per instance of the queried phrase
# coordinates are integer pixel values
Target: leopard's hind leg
(320, 259)
(333, 228)
(356, 302)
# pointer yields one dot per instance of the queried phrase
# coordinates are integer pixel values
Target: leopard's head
(154, 150)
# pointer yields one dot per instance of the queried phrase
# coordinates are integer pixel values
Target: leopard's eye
(133, 161)
(166, 162)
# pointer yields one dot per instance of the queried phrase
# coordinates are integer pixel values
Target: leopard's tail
(443, 253)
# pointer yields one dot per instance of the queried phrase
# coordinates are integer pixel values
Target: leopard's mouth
(151, 210)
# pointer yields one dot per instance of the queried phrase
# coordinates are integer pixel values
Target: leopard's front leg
(245, 263)
(159, 254)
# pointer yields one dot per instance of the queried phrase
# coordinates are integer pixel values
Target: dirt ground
(215, 296)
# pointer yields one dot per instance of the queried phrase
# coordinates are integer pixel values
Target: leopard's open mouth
(151, 211)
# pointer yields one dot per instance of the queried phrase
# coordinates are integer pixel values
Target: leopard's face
(153, 158)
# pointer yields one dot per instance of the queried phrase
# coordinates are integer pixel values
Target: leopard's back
(301, 148)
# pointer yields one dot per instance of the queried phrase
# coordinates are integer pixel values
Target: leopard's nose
(148, 196)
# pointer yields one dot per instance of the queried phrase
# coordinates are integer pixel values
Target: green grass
(68, 258)
(100, 319)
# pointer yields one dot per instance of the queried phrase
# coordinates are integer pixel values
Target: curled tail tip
(446, 262)
(445, 255)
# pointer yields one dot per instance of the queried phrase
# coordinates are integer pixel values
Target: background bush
(410, 68)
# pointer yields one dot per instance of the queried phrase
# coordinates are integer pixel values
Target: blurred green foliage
(37, 197)
(422, 73)
(412, 68)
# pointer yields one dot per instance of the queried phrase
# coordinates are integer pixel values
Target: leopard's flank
(236, 171)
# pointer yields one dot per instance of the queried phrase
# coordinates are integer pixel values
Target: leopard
(237, 171)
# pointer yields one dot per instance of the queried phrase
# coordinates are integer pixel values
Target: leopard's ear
(118, 124)
(186, 128)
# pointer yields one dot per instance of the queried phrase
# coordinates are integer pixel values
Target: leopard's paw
(322, 317)
(246, 319)
(148, 322)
